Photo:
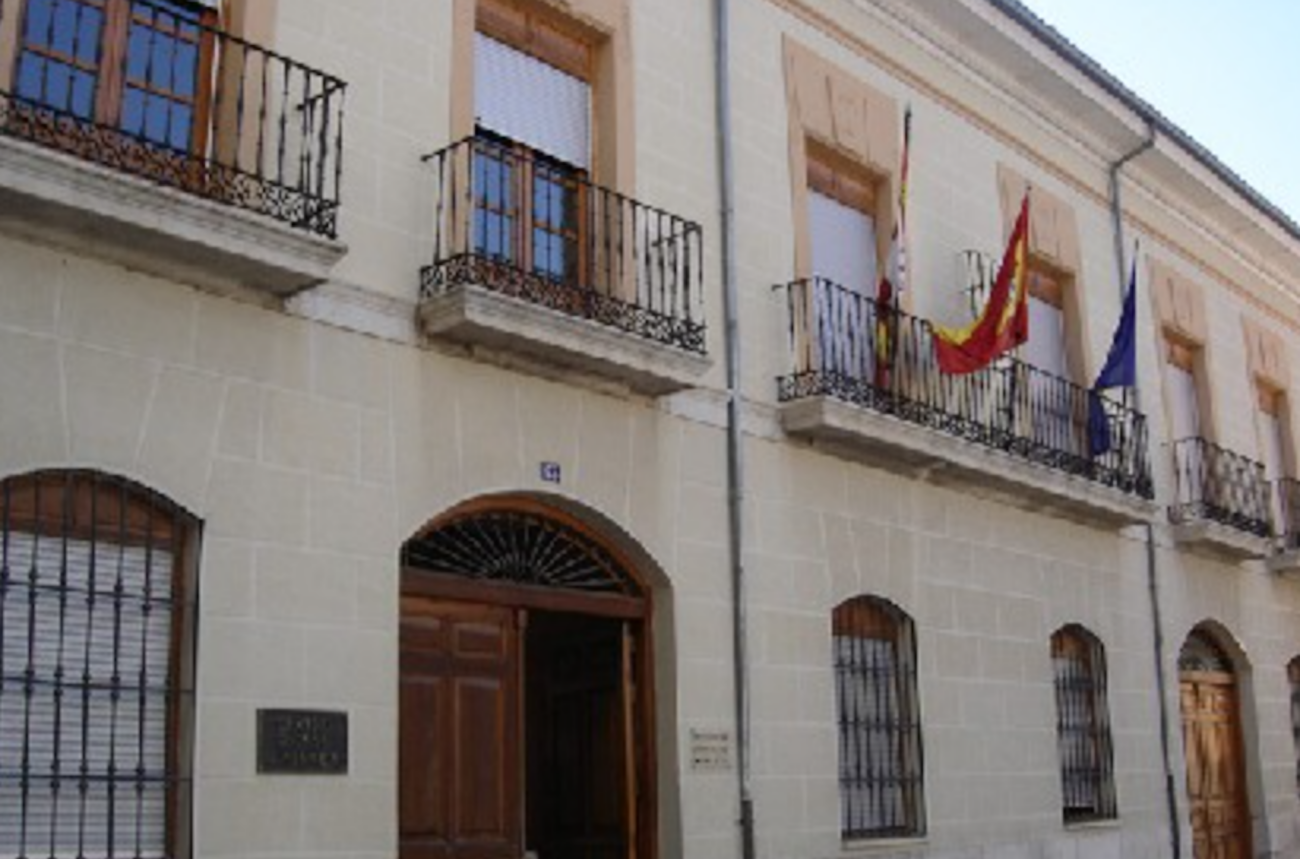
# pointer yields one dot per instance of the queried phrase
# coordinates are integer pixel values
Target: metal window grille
(881, 775)
(1293, 673)
(1082, 726)
(93, 605)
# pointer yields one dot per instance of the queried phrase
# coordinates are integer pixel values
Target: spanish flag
(1004, 324)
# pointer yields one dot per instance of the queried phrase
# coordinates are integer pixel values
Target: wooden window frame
(111, 71)
(527, 169)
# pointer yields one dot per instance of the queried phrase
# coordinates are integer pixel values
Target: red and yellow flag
(1004, 324)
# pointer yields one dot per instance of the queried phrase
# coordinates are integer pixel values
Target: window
(842, 222)
(142, 68)
(94, 689)
(1083, 726)
(1293, 675)
(1273, 447)
(843, 240)
(533, 120)
(881, 778)
(1046, 348)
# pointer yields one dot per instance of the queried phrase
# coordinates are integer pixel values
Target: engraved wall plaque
(302, 742)
(710, 751)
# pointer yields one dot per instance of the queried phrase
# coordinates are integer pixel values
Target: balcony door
(139, 68)
(843, 243)
(1273, 452)
(1049, 400)
(1185, 426)
(532, 161)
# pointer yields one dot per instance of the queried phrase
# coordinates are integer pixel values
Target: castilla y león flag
(1004, 324)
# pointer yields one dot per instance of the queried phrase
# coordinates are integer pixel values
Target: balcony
(1009, 431)
(536, 265)
(1222, 502)
(1286, 528)
(141, 132)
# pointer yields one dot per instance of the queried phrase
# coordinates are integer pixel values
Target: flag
(1120, 370)
(1004, 324)
(894, 279)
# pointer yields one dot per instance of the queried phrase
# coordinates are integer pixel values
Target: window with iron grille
(881, 776)
(1083, 726)
(1293, 674)
(95, 668)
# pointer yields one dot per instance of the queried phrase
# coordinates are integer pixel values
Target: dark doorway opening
(577, 737)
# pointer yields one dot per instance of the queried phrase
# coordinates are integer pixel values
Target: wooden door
(1216, 783)
(459, 732)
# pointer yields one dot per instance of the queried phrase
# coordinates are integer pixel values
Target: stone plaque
(710, 751)
(302, 742)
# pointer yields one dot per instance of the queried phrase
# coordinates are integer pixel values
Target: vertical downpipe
(735, 460)
(1153, 585)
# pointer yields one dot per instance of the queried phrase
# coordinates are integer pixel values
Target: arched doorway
(1212, 743)
(525, 702)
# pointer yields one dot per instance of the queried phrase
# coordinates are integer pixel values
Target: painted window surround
(606, 26)
(852, 127)
(1267, 363)
(1053, 253)
(1179, 306)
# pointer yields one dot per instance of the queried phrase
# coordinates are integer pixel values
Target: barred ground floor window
(881, 776)
(1083, 726)
(96, 615)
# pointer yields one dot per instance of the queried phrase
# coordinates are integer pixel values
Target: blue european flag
(1120, 370)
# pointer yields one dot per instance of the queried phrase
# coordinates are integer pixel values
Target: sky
(1227, 73)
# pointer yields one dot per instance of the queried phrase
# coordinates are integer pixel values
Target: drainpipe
(1153, 585)
(1162, 683)
(735, 440)
(1116, 204)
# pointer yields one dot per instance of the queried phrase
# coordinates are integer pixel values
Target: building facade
(468, 428)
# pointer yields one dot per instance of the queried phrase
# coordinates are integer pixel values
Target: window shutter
(85, 647)
(522, 98)
(843, 243)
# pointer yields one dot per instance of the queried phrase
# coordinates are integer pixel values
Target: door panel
(459, 723)
(1216, 787)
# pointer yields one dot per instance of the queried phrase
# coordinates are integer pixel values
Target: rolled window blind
(522, 98)
(843, 243)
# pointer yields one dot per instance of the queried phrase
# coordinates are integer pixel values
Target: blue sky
(1227, 73)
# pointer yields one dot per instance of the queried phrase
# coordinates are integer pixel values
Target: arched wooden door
(525, 691)
(1212, 740)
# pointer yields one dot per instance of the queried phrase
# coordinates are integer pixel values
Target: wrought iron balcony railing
(155, 89)
(844, 347)
(1286, 512)
(513, 221)
(1221, 486)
